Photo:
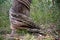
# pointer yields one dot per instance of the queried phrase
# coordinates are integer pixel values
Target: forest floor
(22, 35)
(26, 37)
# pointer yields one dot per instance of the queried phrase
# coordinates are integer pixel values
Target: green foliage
(42, 12)
(57, 1)
(1, 37)
(1, 1)
(4, 12)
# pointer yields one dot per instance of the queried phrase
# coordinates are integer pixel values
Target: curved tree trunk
(19, 17)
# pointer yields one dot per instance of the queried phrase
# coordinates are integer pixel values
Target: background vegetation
(44, 12)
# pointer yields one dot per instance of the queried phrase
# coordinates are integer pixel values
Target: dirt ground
(27, 37)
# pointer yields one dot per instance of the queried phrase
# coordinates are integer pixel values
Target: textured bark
(19, 16)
